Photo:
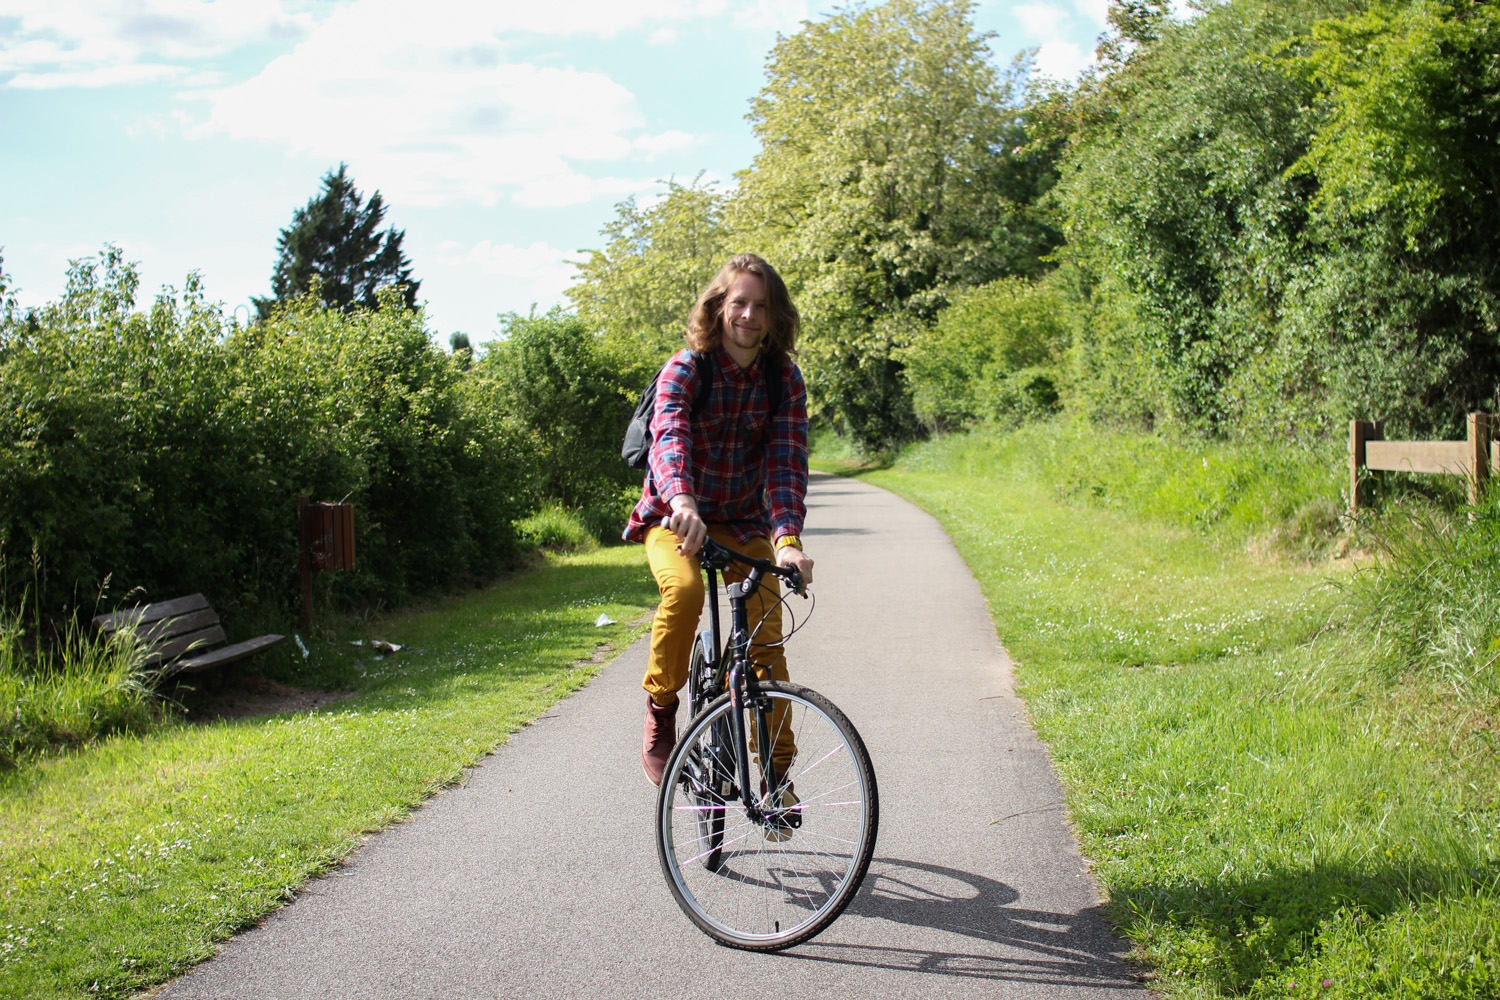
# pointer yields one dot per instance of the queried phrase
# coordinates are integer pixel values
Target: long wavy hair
(705, 326)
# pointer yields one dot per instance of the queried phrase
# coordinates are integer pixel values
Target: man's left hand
(790, 555)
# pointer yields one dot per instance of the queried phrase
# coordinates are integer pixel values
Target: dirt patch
(246, 695)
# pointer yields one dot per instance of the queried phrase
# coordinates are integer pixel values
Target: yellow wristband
(786, 540)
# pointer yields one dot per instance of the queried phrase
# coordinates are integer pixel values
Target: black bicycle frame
(739, 678)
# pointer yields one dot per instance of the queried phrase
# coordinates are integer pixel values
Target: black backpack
(637, 447)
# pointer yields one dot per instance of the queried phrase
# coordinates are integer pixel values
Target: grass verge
(1270, 812)
(84, 687)
(124, 863)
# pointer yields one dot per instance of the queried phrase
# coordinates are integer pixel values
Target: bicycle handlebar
(716, 555)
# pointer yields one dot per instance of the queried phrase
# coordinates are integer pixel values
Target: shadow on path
(1037, 946)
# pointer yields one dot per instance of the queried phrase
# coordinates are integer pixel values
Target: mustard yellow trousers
(675, 628)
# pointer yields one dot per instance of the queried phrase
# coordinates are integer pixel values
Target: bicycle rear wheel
(775, 882)
(706, 782)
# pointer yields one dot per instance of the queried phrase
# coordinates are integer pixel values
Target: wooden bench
(179, 635)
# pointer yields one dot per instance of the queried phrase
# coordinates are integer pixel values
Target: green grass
(79, 688)
(556, 528)
(1271, 811)
(123, 863)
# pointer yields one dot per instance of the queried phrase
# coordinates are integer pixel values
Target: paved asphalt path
(539, 876)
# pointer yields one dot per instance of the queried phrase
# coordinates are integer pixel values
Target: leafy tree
(1180, 209)
(8, 306)
(336, 241)
(654, 263)
(1413, 111)
(463, 351)
(1287, 211)
(886, 179)
(1405, 303)
(560, 383)
(991, 354)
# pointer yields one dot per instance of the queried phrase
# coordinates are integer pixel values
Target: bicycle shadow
(1037, 946)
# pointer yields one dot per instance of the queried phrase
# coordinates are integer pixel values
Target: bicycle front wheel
(769, 883)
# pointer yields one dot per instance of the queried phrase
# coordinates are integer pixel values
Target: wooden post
(1360, 431)
(325, 543)
(1479, 456)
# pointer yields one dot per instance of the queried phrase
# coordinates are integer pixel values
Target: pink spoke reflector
(706, 853)
(820, 760)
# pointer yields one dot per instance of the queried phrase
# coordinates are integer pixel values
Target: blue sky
(500, 133)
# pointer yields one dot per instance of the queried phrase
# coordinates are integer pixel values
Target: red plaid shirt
(742, 477)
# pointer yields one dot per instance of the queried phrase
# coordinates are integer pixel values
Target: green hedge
(164, 451)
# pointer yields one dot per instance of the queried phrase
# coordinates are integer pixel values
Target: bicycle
(759, 856)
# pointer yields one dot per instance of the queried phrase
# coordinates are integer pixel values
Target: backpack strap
(774, 373)
(705, 380)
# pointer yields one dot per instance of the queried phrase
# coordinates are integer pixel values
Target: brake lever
(794, 580)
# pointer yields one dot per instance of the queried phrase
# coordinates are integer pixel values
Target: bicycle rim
(768, 889)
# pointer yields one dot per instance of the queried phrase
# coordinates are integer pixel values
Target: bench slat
(228, 654)
(160, 631)
(147, 613)
(170, 630)
(177, 645)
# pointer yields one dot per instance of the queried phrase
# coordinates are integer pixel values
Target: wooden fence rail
(1472, 458)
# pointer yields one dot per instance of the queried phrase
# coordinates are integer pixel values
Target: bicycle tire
(769, 892)
(707, 785)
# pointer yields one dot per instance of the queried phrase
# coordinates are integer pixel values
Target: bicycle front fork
(746, 698)
(745, 694)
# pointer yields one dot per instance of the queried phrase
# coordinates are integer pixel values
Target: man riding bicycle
(722, 464)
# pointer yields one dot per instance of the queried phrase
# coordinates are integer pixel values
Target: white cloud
(432, 105)
(64, 43)
(1094, 11)
(1041, 18)
(539, 273)
(123, 74)
(548, 267)
(433, 112)
(1061, 60)
(770, 15)
(671, 141)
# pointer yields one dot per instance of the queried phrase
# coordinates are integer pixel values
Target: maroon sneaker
(659, 739)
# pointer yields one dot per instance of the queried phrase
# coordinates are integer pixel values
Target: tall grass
(69, 692)
(1431, 600)
(1277, 495)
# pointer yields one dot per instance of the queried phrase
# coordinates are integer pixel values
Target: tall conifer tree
(337, 238)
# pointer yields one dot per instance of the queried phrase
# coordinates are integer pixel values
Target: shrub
(167, 449)
(556, 528)
(1433, 598)
(573, 393)
(991, 355)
